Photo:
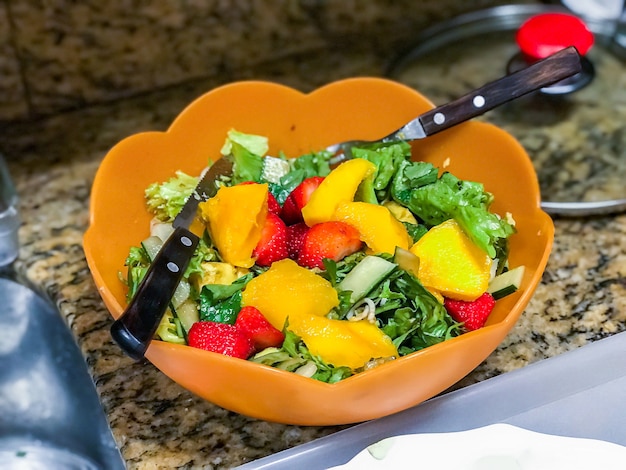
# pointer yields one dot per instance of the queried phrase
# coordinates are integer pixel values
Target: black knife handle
(135, 328)
(543, 73)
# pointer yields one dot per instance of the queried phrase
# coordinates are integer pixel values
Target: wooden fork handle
(543, 73)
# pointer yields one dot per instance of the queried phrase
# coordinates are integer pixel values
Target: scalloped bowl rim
(198, 133)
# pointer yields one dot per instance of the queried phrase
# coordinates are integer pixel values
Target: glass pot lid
(576, 140)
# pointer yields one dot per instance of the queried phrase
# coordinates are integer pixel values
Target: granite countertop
(157, 424)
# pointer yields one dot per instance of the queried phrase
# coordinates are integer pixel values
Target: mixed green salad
(389, 289)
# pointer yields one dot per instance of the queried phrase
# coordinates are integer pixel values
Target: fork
(541, 74)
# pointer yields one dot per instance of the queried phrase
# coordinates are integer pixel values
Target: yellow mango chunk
(338, 187)
(377, 227)
(235, 218)
(451, 263)
(400, 212)
(342, 342)
(288, 290)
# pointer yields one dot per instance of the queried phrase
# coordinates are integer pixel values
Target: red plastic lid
(545, 34)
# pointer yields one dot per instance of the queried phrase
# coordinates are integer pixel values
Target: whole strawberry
(473, 314)
(292, 208)
(222, 338)
(295, 238)
(253, 324)
(333, 240)
(273, 243)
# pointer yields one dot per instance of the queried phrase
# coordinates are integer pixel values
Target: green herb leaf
(221, 303)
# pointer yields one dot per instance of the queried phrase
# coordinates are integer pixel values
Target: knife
(135, 328)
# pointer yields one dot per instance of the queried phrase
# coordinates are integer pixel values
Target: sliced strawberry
(334, 240)
(272, 204)
(295, 238)
(290, 212)
(222, 338)
(298, 198)
(273, 243)
(263, 335)
(473, 314)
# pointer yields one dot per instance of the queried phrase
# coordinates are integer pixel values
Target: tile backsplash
(57, 55)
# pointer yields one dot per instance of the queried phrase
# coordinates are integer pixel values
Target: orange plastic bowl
(297, 123)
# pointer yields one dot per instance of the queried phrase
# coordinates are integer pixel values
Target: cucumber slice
(365, 276)
(181, 294)
(506, 283)
(188, 314)
(152, 245)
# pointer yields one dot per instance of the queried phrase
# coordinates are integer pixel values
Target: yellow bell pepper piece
(215, 272)
(235, 217)
(451, 263)
(338, 187)
(342, 342)
(166, 330)
(288, 290)
(377, 227)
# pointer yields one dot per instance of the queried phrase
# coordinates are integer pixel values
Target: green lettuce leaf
(255, 144)
(246, 151)
(165, 200)
(435, 200)
(387, 158)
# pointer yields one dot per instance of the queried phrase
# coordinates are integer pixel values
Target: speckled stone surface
(157, 424)
(75, 53)
(577, 141)
(13, 102)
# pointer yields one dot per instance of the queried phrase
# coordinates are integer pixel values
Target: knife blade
(136, 327)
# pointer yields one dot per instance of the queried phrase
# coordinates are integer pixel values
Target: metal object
(581, 209)
(135, 328)
(543, 73)
(575, 181)
(50, 414)
(9, 217)
(560, 396)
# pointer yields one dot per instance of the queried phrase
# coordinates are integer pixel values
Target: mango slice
(288, 290)
(338, 187)
(377, 227)
(342, 342)
(235, 218)
(451, 263)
